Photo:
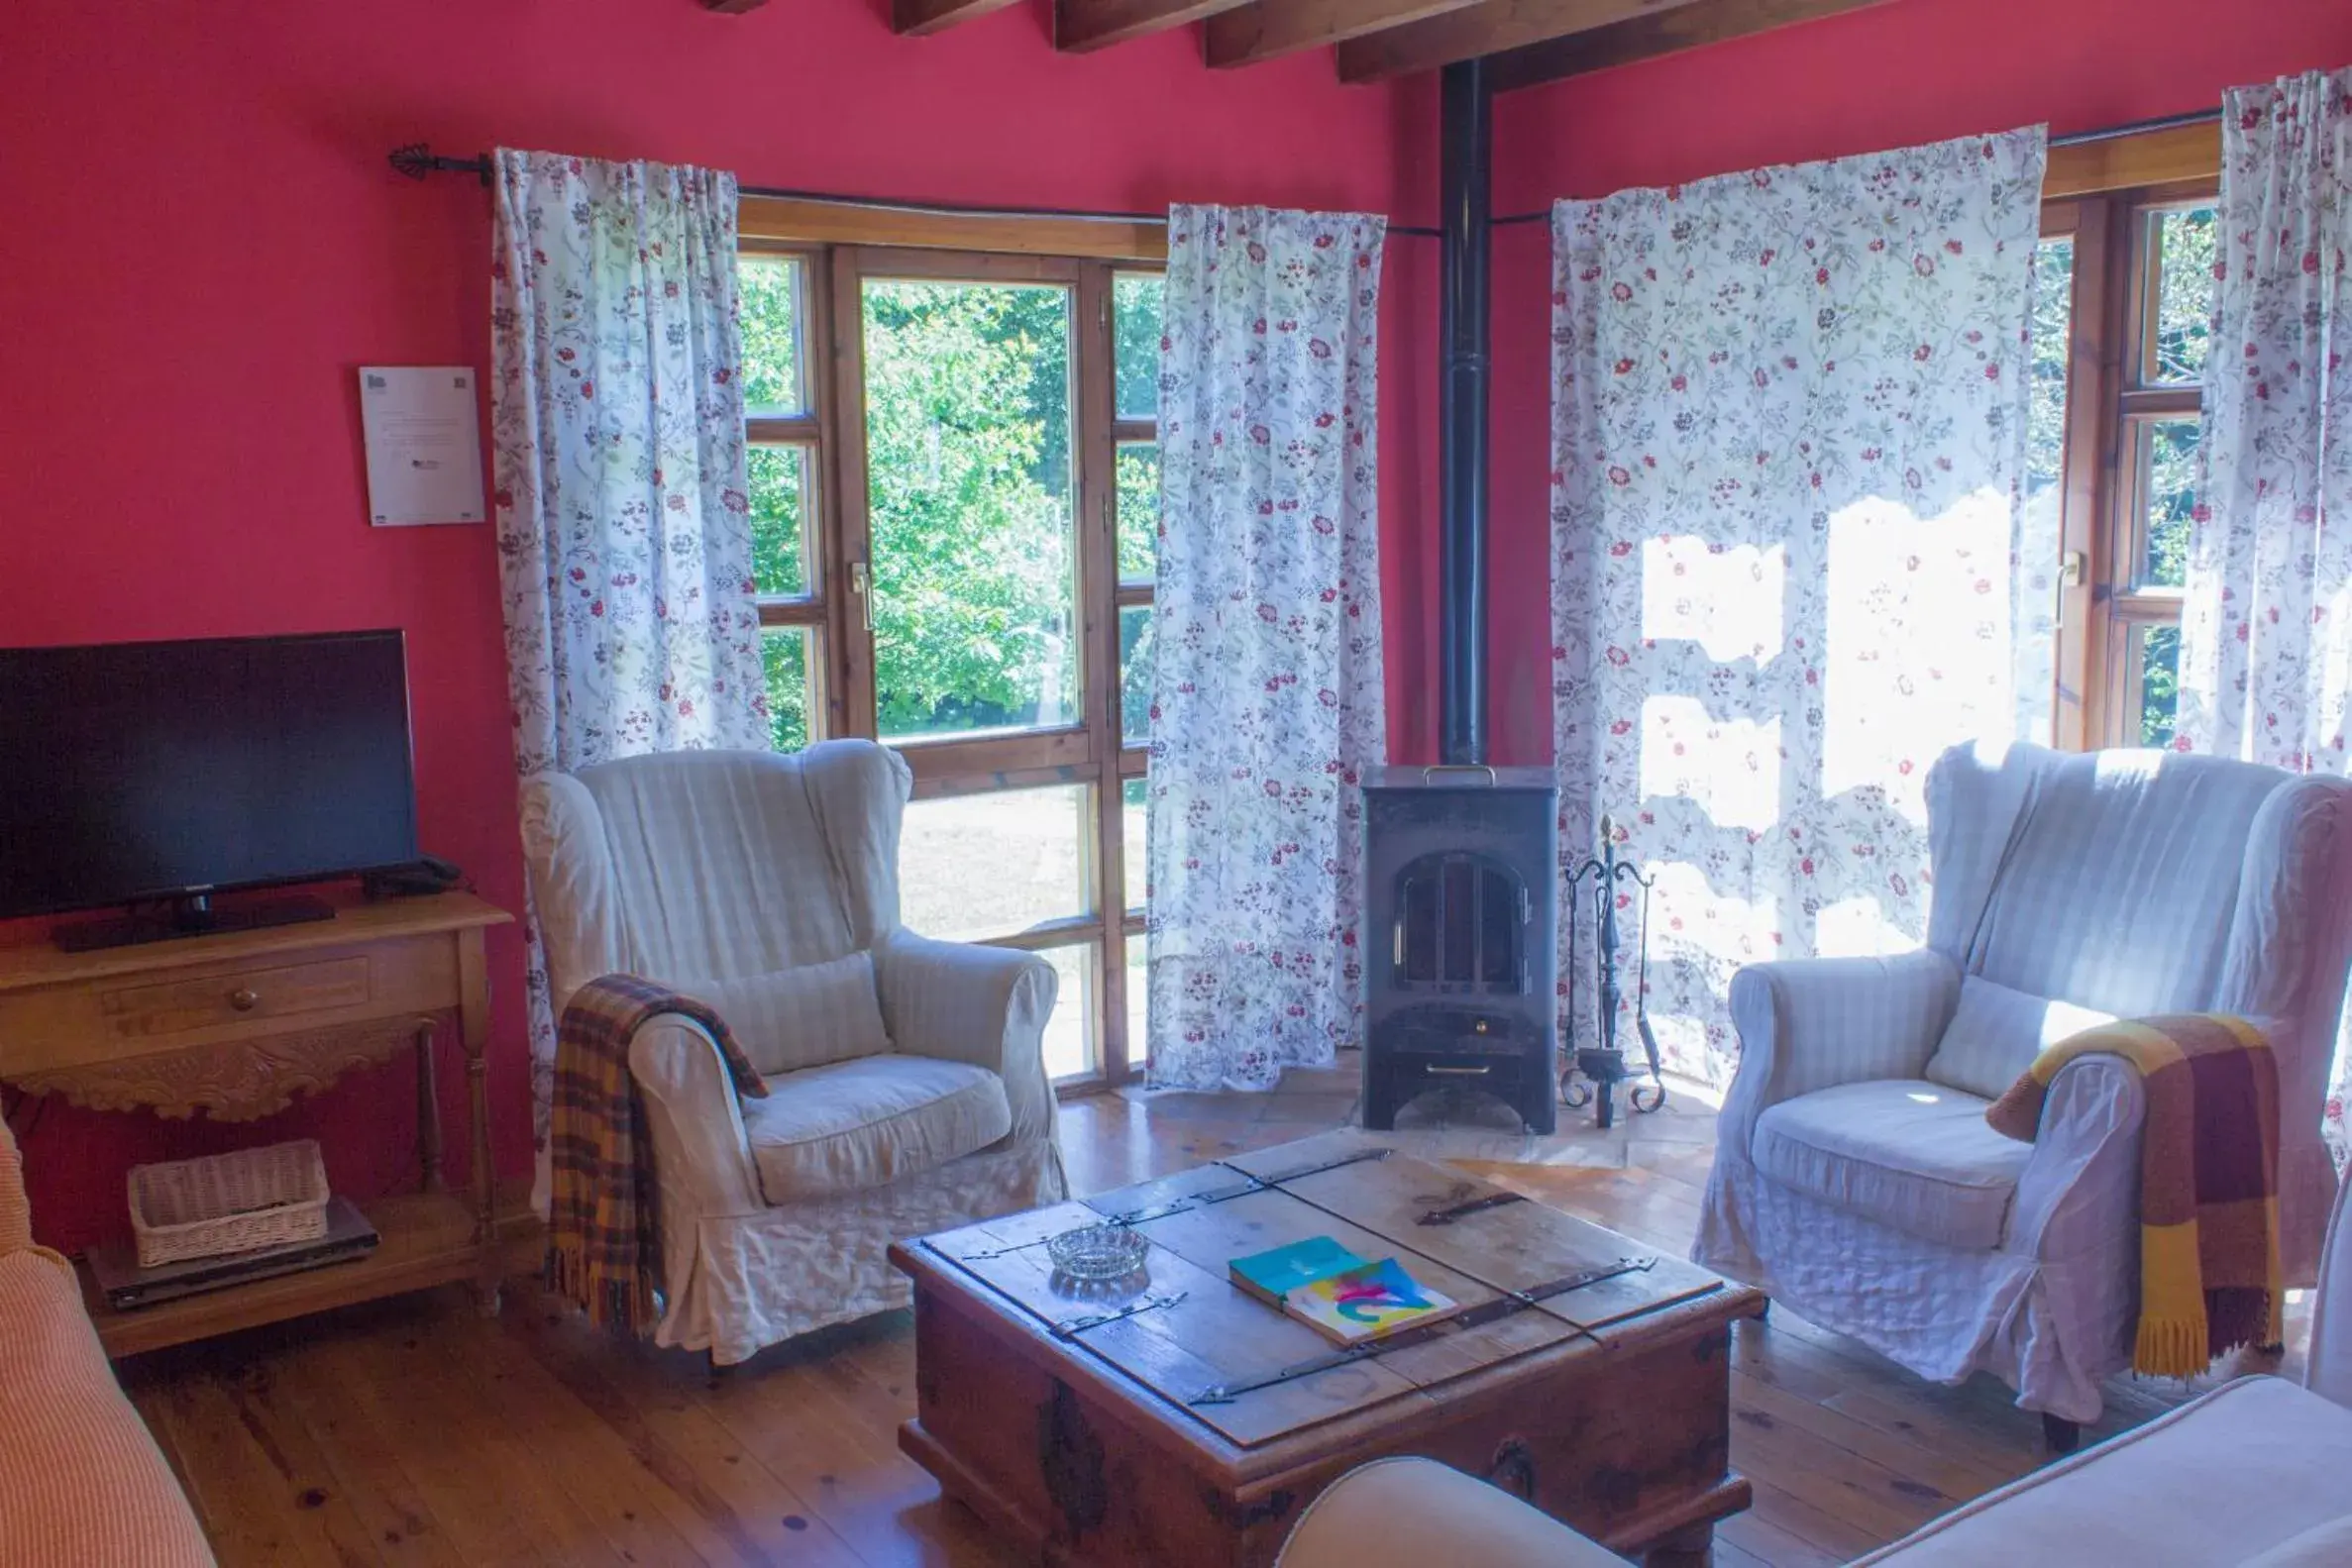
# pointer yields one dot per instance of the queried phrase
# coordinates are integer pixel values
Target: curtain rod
(417, 159)
(2170, 122)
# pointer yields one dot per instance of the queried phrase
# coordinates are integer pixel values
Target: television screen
(135, 770)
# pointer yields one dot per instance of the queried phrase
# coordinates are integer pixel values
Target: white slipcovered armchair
(907, 1078)
(1854, 1177)
(2250, 1476)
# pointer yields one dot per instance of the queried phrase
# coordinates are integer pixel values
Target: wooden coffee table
(1176, 1421)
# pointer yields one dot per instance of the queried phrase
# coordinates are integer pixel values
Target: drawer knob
(245, 999)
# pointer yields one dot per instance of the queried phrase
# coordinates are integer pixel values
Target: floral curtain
(1791, 563)
(2266, 627)
(1266, 680)
(616, 425)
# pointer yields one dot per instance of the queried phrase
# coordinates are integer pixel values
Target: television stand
(192, 915)
(236, 1028)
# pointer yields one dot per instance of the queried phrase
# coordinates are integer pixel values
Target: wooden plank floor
(413, 1431)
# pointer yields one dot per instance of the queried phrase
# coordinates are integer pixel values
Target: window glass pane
(1070, 1032)
(2160, 683)
(1138, 1001)
(991, 865)
(778, 478)
(769, 290)
(1135, 848)
(1136, 333)
(1139, 479)
(2182, 249)
(791, 696)
(2052, 342)
(2167, 498)
(968, 453)
(1135, 673)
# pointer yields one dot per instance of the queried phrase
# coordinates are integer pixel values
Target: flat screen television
(132, 772)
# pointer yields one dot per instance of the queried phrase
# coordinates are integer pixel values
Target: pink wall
(204, 240)
(1909, 71)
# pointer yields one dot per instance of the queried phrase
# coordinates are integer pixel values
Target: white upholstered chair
(2249, 1476)
(907, 1079)
(1854, 1177)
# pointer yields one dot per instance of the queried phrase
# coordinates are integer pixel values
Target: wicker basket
(228, 1203)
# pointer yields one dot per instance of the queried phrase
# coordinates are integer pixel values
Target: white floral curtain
(617, 423)
(1266, 679)
(2266, 627)
(1791, 563)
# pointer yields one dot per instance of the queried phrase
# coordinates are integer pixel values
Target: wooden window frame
(841, 248)
(2100, 195)
(815, 430)
(1129, 762)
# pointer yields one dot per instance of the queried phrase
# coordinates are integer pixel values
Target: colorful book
(1272, 1275)
(1366, 1302)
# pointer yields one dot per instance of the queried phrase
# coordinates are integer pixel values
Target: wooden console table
(236, 1025)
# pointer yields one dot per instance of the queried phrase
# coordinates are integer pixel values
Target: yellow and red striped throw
(2209, 1277)
(602, 1249)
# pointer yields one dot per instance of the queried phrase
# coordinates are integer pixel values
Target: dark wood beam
(1647, 37)
(1488, 28)
(1270, 28)
(1083, 25)
(918, 17)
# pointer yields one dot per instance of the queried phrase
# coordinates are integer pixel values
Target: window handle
(2072, 566)
(861, 584)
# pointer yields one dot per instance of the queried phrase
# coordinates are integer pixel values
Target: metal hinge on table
(1070, 1328)
(1242, 1189)
(992, 1252)
(1503, 1306)
(1468, 1205)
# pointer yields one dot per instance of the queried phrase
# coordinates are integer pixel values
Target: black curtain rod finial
(416, 160)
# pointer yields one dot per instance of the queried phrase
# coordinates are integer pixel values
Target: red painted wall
(1904, 72)
(205, 240)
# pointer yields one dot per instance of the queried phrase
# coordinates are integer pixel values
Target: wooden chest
(1178, 1421)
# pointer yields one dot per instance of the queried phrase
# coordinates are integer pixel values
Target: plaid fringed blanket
(2209, 1277)
(602, 1251)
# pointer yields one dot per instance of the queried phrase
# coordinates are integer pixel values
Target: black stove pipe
(1465, 146)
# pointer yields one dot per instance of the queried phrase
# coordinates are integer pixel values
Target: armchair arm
(1405, 1512)
(2079, 1191)
(2330, 1370)
(16, 1213)
(987, 1006)
(16, 1217)
(1809, 1023)
(701, 1155)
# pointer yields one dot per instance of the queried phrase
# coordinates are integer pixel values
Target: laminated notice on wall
(424, 445)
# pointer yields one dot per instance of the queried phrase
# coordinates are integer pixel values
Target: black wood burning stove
(1462, 861)
(1459, 941)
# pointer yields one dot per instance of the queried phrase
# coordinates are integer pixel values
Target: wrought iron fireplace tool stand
(1595, 1070)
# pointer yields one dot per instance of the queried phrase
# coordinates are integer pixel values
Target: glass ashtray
(1098, 1252)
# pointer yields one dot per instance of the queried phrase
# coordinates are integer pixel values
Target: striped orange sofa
(82, 1483)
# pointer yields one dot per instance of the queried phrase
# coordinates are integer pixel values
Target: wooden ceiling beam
(1659, 33)
(1489, 27)
(1268, 29)
(918, 17)
(1082, 26)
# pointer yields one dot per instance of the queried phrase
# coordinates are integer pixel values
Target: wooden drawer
(109, 1007)
(284, 991)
